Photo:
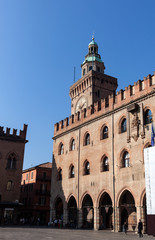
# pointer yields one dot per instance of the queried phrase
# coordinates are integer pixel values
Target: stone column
(114, 221)
(96, 219)
(139, 214)
(79, 213)
(143, 218)
(52, 214)
(118, 227)
(65, 216)
(138, 210)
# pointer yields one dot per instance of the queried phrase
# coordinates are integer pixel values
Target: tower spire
(93, 36)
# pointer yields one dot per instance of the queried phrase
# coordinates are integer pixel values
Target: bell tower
(94, 84)
(92, 59)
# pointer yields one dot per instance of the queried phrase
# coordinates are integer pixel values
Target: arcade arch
(87, 212)
(127, 211)
(105, 211)
(72, 212)
(59, 208)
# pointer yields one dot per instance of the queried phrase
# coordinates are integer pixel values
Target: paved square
(14, 233)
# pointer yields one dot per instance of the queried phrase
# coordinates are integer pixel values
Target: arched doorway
(105, 211)
(127, 211)
(59, 209)
(88, 212)
(72, 212)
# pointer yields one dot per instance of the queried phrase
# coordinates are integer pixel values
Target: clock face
(81, 104)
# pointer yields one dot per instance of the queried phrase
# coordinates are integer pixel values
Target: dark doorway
(105, 211)
(59, 209)
(72, 212)
(124, 217)
(88, 212)
(127, 211)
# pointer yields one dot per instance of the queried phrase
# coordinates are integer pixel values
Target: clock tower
(94, 84)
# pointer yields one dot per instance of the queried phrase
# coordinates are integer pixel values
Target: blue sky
(40, 43)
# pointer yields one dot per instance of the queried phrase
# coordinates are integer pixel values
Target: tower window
(61, 149)
(9, 185)
(11, 162)
(123, 125)
(90, 68)
(84, 71)
(148, 116)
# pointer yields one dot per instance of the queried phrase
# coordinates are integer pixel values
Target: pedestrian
(125, 227)
(140, 228)
(38, 221)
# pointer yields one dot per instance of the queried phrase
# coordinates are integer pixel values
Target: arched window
(147, 116)
(90, 68)
(84, 71)
(98, 69)
(86, 168)
(126, 160)
(71, 172)
(9, 185)
(11, 161)
(60, 174)
(123, 125)
(72, 146)
(104, 132)
(105, 164)
(61, 149)
(87, 139)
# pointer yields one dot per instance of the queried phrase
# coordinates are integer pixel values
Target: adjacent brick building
(98, 177)
(11, 158)
(35, 193)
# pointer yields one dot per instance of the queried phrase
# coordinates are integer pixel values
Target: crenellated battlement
(13, 136)
(112, 102)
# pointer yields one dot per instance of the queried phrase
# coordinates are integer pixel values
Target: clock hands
(82, 105)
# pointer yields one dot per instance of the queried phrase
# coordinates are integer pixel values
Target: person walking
(140, 228)
(125, 227)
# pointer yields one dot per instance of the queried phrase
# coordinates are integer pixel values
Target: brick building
(12, 148)
(35, 193)
(98, 178)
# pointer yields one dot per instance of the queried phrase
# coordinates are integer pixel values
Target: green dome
(92, 59)
(93, 43)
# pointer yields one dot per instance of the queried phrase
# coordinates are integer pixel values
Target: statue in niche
(135, 126)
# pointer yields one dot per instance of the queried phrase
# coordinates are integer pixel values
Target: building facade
(12, 148)
(98, 178)
(35, 194)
